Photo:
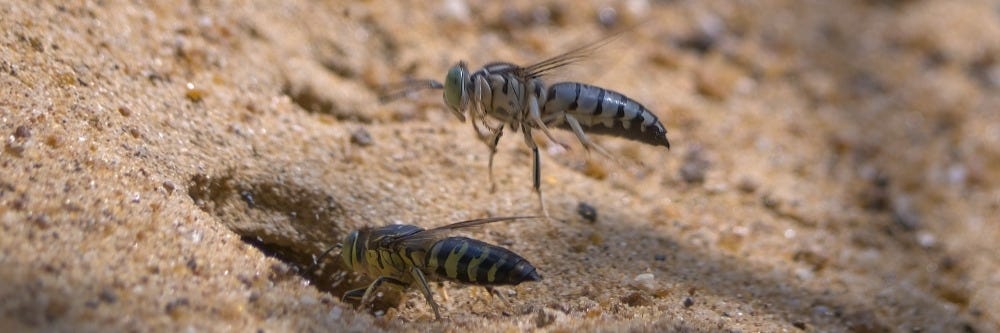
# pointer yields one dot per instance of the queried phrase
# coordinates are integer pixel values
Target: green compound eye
(454, 90)
(351, 250)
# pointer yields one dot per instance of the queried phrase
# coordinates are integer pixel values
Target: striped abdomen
(603, 111)
(472, 261)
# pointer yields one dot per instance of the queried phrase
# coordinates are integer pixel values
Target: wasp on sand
(404, 254)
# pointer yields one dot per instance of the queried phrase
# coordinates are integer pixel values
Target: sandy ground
(175, 166)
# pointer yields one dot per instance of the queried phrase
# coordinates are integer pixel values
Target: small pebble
(592, 169)
(248, 198)
(169, 186)
(748, 185)
(456, 9)
(335, 313)
(804, 274)
(607, 16)
(173, 307)
(108, 296)
(695, 166)
(587, 211)
(22, 132)
(645, 282)
(769, 201)
(192, 264)
(688, 302)
(361, 137)
(926, 239)
(821, 310)
(904, 214)
(194, 94)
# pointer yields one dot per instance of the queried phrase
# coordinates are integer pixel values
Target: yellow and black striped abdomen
(472, 261)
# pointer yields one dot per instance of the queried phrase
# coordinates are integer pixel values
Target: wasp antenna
(316, 260)
(394, 91)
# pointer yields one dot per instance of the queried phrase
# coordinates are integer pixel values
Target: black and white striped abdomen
(472, 261)
(602, 111)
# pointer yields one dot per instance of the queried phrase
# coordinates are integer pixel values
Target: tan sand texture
(174, 166)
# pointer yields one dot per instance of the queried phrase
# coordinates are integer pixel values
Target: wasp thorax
(455, 89)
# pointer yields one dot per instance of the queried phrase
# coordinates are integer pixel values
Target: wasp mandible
(404, 254)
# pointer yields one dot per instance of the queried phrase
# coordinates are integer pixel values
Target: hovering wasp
(516, 96)
(402, 254)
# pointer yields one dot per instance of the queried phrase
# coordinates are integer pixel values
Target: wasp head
(353, 251)
(456, 92)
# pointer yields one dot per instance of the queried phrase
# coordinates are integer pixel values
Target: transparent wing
(432, 235)
(572, 56)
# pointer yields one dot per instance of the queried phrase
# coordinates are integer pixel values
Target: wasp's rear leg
(496, 293)
(536, 176)
(426, 289)
(584, 139)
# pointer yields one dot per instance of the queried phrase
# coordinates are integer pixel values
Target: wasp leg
(477, 113)
(353, 293)
(491, 142)
(494, 141)
(419, 276)
(479, 133)
(536, 167)
(480, 105)
(536, 116)
(587, 143)
(496, 293)
(366, 293)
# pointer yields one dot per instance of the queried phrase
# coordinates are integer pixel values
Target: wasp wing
(476, 222)
(425, 238)
(572, 56)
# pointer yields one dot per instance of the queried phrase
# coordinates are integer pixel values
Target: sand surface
(175, 166)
